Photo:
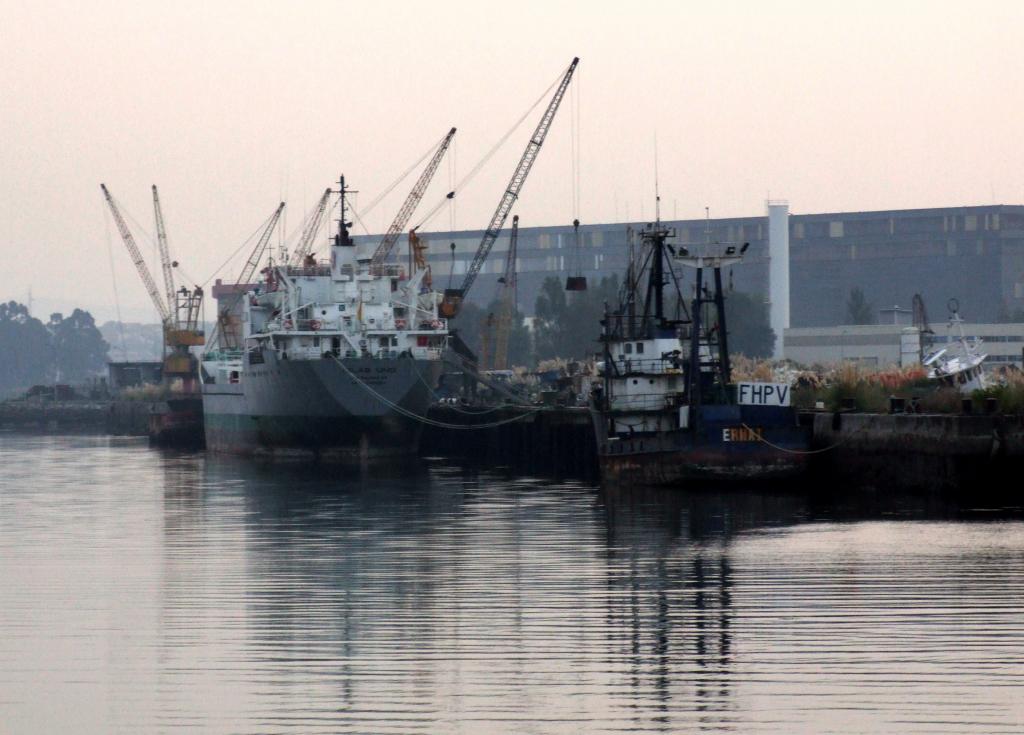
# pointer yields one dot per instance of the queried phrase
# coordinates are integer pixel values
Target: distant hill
(139, 342)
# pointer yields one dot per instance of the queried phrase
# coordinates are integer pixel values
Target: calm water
(148, 592)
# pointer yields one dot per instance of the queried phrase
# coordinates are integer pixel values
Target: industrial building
(974, 254)
(882, 345)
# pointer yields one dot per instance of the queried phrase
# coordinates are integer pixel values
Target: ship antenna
(343, 238)
(657, 194)
(707, 225)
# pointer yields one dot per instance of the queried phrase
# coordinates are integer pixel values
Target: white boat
(959, 365)
(338, 359)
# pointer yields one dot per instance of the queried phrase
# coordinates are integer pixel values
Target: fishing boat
(959, 365)
(667, 411)
(334, 359)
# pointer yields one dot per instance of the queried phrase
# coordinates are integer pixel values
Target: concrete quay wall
(925, 451)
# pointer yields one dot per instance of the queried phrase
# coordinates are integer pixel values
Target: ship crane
(499, 324)
(179, 311)
(411, 202)
(226, 335)
(136, 256)
(304, 246)
(165, 255)
(453, 297)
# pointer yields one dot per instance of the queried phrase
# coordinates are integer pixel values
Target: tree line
(567, 324)
(62, 350)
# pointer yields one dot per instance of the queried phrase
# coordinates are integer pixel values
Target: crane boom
(248, 271)
(165, 255)
(140, 264)
(302, 249)
(506, 303)
(411, 202)
(515, 185)
(261, 246)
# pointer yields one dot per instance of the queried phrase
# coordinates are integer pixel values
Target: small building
(121, 375)
(884, 345)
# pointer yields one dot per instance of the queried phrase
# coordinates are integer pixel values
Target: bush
(1009, 394)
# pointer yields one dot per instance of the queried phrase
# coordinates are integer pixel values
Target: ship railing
(642, 402)
(388, 269)
(309, 270)
(623, 326)
(222, 355)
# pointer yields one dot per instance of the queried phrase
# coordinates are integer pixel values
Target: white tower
(778, 271)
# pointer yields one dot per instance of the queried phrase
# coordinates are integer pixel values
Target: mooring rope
(436, 397)
(804, 451)
(423, 419)
(481, 412)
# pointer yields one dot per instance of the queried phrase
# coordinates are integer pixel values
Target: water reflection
(157, 591)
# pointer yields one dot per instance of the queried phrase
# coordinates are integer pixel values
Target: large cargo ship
(334, 359)
(668, 411)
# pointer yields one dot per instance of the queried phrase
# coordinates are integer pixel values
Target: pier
(941, 452)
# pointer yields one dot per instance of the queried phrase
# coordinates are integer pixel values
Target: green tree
(549, 313)
(568, 324)
(79, 350)
(858, 309)
(25, 344)
(471, 323)
(750, 331)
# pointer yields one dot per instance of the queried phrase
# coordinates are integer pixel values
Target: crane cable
(576, 259)
(490, 154)
(113, 282)
(233, 255)
(456, 409)
(452, 172)
(391, 187)
(148, 238)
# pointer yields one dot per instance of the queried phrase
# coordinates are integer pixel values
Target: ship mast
(654, 303)
(714, 256)
(343, 238)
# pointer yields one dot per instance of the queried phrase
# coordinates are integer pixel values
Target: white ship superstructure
(959, 366)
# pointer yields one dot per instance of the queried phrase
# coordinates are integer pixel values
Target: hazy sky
(230, 107)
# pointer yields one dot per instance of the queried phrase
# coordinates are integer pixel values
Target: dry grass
(749, 370)
(144, 393)
(870, 389)
(1008, 390)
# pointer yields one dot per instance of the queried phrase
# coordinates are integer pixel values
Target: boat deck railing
(643, 402)
(650, 365)
(624, 327)
(222, 355)
(320, 269)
